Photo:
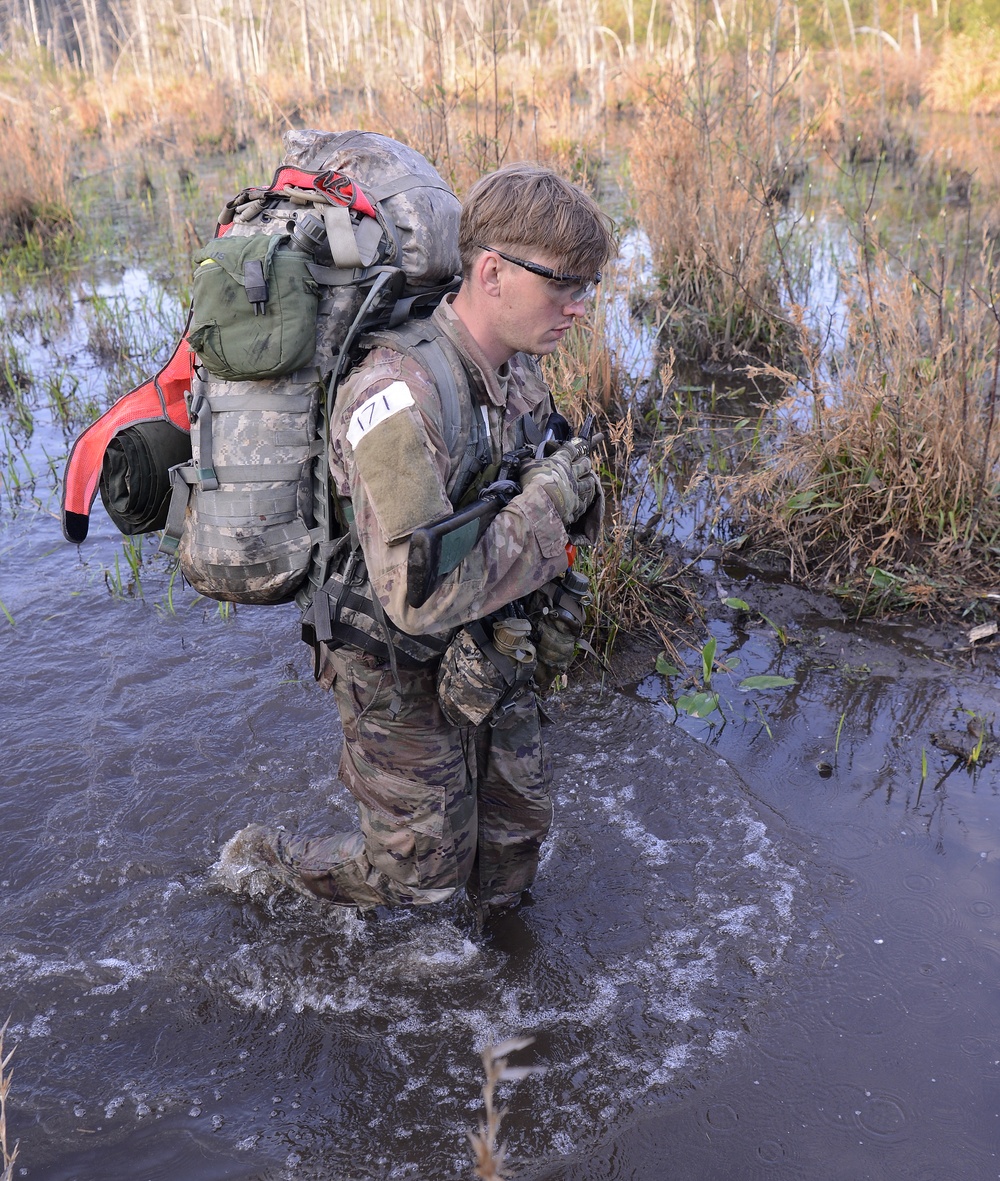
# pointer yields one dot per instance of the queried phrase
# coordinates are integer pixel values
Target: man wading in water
(451, 781)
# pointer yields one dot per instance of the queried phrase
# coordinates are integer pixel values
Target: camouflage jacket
(388, 457)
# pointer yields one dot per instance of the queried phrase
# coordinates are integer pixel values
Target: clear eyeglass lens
(571, 292)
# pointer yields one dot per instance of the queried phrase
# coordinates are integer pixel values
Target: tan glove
(567, 479)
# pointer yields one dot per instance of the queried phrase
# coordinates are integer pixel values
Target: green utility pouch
(254, 308)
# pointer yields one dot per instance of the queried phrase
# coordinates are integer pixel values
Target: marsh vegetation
(796, 362)
(810, 199)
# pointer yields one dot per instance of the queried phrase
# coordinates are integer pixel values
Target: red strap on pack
(339, 188)
(161, 396)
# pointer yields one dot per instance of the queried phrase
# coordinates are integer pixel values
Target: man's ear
(487, 272)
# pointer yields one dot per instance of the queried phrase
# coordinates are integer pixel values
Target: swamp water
(763, 947)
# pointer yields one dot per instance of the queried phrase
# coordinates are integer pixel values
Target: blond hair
(525, 207)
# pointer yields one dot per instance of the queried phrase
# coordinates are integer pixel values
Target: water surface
(765, 945)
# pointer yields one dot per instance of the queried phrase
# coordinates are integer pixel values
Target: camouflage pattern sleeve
(389, 457)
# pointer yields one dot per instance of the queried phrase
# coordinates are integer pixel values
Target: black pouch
(135, 473)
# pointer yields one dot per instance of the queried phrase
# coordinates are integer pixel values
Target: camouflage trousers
(440, 808)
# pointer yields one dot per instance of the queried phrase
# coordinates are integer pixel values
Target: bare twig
(7, 1155)
(489, 1155)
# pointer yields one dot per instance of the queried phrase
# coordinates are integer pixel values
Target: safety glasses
(564, 288)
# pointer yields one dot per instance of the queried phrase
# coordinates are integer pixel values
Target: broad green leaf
(767, 682)
(800, 500)
(665, 668)
(708, 660)
(698, 705)
(737, 604)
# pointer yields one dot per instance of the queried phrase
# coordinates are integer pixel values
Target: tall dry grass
(637, 585)
(965, 77)
(729, 103)
(35, 162)
(880, 478)
(478, 81)
(712, 160)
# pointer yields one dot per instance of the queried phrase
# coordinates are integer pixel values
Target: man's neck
(474, 314)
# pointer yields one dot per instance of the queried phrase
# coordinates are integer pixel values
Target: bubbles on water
(883, 1116)
(721, 1117)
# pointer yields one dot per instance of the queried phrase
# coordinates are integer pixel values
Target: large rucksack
(355, 232)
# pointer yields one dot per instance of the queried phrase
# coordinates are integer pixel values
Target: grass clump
(966, 75)
(34, 179)
(879, 477)
(710, 171)
(635, 586)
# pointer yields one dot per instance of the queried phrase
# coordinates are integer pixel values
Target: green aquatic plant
(703, 702)
(840, 726)
(980, 729)
(115, 579)
(743, 605)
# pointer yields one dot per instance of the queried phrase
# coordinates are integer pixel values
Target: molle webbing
(236, 512)
(343, 613)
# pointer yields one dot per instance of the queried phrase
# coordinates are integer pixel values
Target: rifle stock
(436, 549)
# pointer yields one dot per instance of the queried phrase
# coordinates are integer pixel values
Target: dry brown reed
(634, 583)
(880, 479)
(638, 588)
(35, 161)
(472, 83)
(488, 1153)
(8, 1155)
(710, 164)
(966, 75)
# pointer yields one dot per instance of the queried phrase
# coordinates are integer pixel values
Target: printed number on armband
(377, 409)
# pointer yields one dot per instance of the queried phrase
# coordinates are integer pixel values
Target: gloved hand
(554, 652)
(566, 477)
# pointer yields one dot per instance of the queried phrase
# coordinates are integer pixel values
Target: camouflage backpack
(356, 232)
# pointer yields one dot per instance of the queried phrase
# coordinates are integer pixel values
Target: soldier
(445, 802)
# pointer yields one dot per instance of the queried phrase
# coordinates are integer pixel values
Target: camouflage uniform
(440, 807)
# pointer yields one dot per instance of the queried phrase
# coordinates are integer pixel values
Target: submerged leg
(409, 773)
(515, 806)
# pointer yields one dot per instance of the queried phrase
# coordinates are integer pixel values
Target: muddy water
(764, 945)
(166, 1022)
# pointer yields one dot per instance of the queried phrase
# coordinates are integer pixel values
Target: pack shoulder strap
(461, 414)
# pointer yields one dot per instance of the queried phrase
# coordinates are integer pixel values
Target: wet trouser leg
(416, 800)
(515, 805)
(427, 793)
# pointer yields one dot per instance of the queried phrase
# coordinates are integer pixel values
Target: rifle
(436, 549)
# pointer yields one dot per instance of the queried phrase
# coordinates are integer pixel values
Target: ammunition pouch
(484, 672)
